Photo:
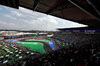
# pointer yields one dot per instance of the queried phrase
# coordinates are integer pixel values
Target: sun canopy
(82, 11)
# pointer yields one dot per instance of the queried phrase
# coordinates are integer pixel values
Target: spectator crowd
(84, 55)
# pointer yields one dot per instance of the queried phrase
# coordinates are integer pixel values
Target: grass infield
(34, 46)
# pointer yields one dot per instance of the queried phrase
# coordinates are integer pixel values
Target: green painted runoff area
(36, 40)
(34, 46)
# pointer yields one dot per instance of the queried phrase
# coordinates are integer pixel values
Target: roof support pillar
(87, 9)
(36, 3)
(95, 4)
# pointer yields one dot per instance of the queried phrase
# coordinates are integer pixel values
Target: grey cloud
(27, 19)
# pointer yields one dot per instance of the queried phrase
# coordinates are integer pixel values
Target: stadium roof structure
(21, 33)
(82, 11)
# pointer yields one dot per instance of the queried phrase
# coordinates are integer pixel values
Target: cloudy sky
(25, 19)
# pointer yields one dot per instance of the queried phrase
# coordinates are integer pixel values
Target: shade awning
(82, 11)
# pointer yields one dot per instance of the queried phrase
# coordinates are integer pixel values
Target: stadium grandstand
(65, 47)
